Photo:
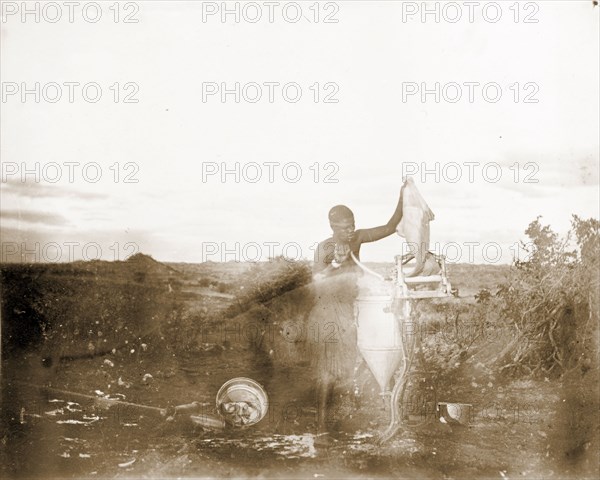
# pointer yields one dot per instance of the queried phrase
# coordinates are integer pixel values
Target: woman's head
(341, 220)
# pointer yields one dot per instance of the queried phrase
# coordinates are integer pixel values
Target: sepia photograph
(311, 239)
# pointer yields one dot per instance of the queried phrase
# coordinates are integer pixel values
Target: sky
(173, 129)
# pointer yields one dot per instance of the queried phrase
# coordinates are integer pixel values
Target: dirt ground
(516, 428)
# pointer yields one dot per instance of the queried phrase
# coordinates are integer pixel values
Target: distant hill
(470, 278)
(146, 264)
(225, 272)
(467, 277)
(85, 307)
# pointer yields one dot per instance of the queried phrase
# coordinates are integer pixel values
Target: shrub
(265, 281)
(550, 300)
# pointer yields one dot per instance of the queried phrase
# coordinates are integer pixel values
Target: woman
(331, 325)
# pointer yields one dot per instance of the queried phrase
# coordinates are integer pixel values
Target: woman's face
(343, 231)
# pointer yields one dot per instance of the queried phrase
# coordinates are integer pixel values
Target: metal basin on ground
(242, 402)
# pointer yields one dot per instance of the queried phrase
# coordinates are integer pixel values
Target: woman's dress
(332, 326)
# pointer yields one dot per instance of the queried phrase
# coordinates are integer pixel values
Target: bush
(265, 281)
(550, 301)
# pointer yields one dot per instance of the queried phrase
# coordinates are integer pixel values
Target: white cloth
(414, 226)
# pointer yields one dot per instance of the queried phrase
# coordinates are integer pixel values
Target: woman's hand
(341, 252)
